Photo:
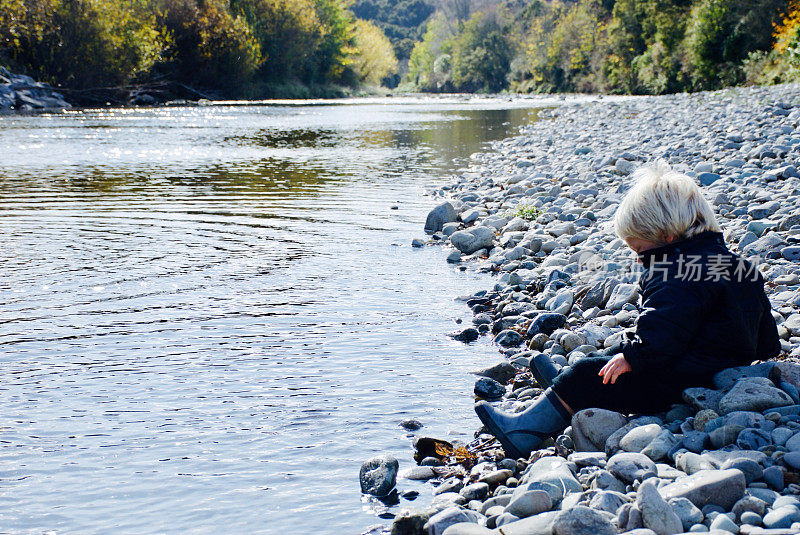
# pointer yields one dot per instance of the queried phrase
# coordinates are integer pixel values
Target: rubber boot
(543, 370)
(523, 432)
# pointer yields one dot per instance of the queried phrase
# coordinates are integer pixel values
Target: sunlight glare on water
(211, 315)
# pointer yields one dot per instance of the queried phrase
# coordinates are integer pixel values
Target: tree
(79, 43)
(721, 34)
(374, 59)
(208, 46)
(288, 33)
(481, 55)
(434, 44)
(337, 43)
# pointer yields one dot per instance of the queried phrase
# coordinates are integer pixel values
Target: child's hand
(614, 368)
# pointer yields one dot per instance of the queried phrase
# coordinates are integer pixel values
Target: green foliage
(337, 43)
(435, 44)
(79, 43)
(258, 47)
(480, 56)
(721, 34)
(527, 212)
(208, 46)
(287, 31)
(375, 59)
(401, 20)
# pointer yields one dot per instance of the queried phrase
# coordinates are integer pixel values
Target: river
(212, 315)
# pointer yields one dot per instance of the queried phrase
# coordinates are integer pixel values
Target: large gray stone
(581, 520)
(530, 503)
(639, 437)
(708, 487)
(501, 372)
(555, 473)
(608, 500)
(473, 239)
(753, 394)
(592, 427)
(541, 524)
(726, 379)
(657, 514)
(623, 293)
(378, 475)
(410, 521)
(771, 242)
(702, 398)
(508, 338)
(658, 448)
(605, 480)
(630, 467)
(792, 324)
(444, 213)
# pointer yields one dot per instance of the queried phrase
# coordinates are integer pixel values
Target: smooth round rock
(581, 520)
(782, 517)
(489, 389)
(724, 523)
(792, 459)
(750, 518)
(378, 475)
(630, 467)
(530, 503)
(639, 437)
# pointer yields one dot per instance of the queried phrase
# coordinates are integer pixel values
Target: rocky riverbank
(537, 212)
(22, 93)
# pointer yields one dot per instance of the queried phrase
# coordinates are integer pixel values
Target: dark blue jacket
(703, 309)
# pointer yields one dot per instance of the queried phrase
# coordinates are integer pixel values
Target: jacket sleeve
(768, 343)
(671, 311)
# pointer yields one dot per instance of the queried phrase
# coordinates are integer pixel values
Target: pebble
(716, 487)
(473, 240)
(639, 437)
(792, 459)
(687, 512)
(467, 528)
(724, 523)
(438, 523)
(782, 517)
(592, 427)
(582, 520)
(657, 514)
(743, 431)
(508, 338)
(489, 389)
(378, 475)
(501, 372)
(630, 467)
(475, 491)
(773, 476)
(530, 503)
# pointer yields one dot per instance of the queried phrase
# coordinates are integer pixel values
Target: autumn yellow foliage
(373, 58)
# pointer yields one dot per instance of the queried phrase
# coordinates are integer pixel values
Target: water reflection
(207, 322)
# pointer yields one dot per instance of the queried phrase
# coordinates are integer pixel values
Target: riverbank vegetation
(95, 49)
(622, 46)
(236, 48)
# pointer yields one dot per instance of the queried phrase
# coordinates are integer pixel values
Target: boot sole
(485, 417)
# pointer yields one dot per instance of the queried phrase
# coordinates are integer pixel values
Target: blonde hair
(663, 203)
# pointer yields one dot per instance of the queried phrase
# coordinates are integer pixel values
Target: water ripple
(207, 321)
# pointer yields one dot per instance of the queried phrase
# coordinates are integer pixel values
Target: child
(703, 310)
